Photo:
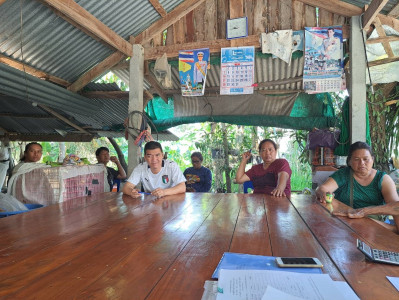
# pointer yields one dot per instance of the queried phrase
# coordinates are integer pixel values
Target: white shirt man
(159, 177)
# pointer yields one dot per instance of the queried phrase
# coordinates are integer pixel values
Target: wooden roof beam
(2, 1)
(32, 71)
(214, 47)
(26, 116)
(383, 39)
(69, 137)
(62, 118)
(79, 15)
(159, 8)
(336, 7)
(383, 61)
(372, 11)
(394, 13)
(381, 33)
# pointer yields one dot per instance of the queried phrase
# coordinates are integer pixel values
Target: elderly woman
(273, 176)
(359, 185)
(199, 178)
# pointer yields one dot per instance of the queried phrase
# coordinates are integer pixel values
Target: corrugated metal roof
(361, 3)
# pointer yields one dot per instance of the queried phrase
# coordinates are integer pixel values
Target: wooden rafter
(383, 61)
(32, 71)
(75, 12)
(107, 95)
(391, 22)
(97, 70)
(62, 118)
(159, 8)
(381, 33)
(383, 39)
(2, 1)
(394, 13)
(372, 11)
(336, 7)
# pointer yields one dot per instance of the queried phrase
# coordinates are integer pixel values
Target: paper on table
(394, 281)
(252, 284)
(346, 290)
(275, 294)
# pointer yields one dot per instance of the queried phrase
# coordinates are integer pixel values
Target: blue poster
(193, 65)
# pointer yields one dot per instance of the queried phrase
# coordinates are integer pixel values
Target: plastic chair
(118, 184)
(248, 185)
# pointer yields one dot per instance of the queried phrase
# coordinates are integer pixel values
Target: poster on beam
(193, 65)
(324, 63)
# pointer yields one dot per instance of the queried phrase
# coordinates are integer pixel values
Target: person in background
(32, 154)
(273, 176)
(199, 178)
(370, 187)
(158, 176)
(103, 157)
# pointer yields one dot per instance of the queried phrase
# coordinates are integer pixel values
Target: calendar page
(237, 71)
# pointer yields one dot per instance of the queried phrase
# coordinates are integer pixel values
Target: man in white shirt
(158, 176)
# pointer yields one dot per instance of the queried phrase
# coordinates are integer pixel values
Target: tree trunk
(62, 152)
(227, 168)
(119, 152)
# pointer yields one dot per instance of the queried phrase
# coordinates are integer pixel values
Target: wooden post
(357, 87)
(135, 102)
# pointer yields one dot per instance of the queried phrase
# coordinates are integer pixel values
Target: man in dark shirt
(103, 157)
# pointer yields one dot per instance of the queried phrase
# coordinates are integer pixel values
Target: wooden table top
(109, 246)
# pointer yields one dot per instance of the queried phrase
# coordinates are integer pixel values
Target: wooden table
(110, 246)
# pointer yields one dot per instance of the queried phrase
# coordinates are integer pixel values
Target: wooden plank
(310, 16)
(249, 13)
(325, 18)
(190, 29)
(273, 16)
(383, 61)
(214, 47)
(394, 12)
(210, 20)
(179, 12)
(236, 9)
(159, 8)
(298, 13)
(286, 10)
(200, 26)
(26, 116)
(381, 33)
(79, 15)
(366, 278)
(107, 95)
(222, 16)
(290, 236)
(169, 37)
(391, 22)
(62, 118)
(195, 264)
(336, 7)
(70, 137)
(178, 32)
(96, 71)
(32, 71)
(372, 11)
(252, 215)
(260, 17)
(383, 39)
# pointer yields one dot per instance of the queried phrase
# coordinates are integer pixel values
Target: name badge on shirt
(165, 179)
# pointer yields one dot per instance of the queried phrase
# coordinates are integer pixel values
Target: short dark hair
(267, 140)
(27, 147)
(98, 151)
(331, 28)
(197, 155)
(151, 146)
(357, 146)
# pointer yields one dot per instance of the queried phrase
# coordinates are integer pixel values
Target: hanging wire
(365, 52)
(144, 124)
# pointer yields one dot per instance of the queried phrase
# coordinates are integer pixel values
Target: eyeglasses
(195, 161)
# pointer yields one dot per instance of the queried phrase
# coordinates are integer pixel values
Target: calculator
(377, 255)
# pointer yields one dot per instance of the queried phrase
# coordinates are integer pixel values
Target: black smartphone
(298, 262)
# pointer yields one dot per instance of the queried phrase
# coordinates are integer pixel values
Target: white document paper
(394, 281)
(275, 294)
(252, 284)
